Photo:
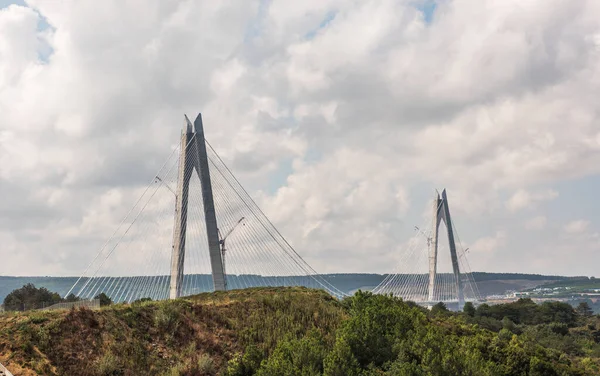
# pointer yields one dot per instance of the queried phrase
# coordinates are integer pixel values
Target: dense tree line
(30, 297)
(525, 311)
(386, 336)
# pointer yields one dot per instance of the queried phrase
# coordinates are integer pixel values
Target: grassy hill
(298, 331)
(162, 337)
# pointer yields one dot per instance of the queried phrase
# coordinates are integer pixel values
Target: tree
(509, 325)
(559, 328)
(104, 299)
(484, 310)
(30, 297)
(469, 309)
(142, 300)
(296, 357)
(439, 308)
(375, 324)
(584, 309)
(539, 367)
(526, 311)
(245, 364)
(340, 361)
(72, 298)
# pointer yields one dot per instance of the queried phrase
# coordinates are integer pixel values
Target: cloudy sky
(340, 117)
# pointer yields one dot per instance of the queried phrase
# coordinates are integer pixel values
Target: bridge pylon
(441, 212)
(192, 157)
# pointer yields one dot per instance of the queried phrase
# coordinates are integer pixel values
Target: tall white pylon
(193, 153)
(441, 211)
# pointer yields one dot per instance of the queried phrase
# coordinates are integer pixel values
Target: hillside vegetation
(297, 331)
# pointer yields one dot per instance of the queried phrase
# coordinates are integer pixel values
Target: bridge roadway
(4, 371)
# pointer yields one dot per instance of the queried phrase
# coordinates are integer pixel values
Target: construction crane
(429, 239)
(222, 243)
(159, 180)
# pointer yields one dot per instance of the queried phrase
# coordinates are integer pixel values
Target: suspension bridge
(195, 229)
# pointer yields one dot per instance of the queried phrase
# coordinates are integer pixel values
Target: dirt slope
(193, 336)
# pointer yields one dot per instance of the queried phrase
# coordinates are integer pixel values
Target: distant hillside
(480, 276)
(347, 282)
(298, 331)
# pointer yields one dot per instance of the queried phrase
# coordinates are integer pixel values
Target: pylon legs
(193, 156)
(442, 212)
(180, 229)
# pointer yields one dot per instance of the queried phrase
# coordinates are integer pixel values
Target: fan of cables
(135, 261)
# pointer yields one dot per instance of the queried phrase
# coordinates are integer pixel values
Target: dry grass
(193, 336)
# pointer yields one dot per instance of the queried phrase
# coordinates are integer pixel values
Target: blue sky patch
(6, 3)
(428, 8)
(324, 23)
(43, 25)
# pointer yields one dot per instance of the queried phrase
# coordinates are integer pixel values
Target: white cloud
(576, 227)
(536, 223)
(356, 207)
(20, 43)
(523, 199)
(369, 104)
(489, 244)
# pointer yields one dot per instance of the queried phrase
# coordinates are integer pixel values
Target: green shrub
(108, 365)
(341, 361)
(245, 364)
(295, 357)
(206, 365)
(177, 370)
(166, 317)
(469, 309)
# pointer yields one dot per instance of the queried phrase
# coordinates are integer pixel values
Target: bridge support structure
(193, 157)
(441, 212)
